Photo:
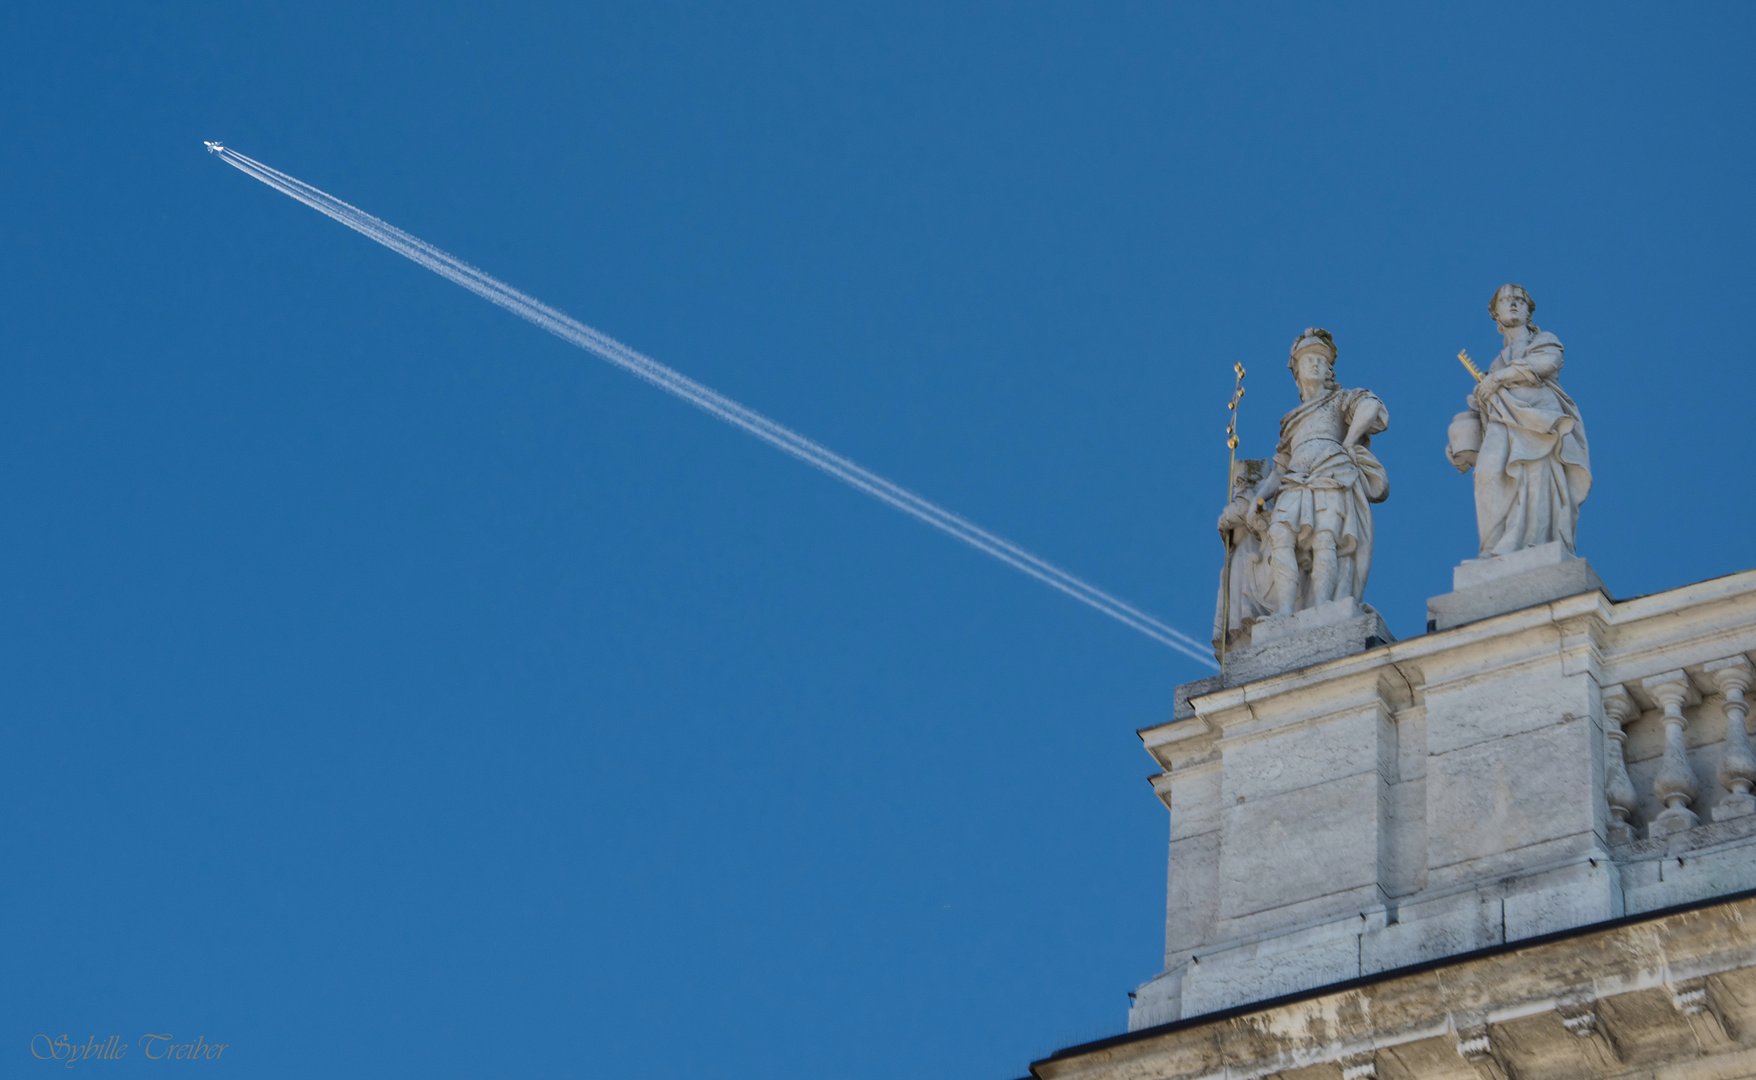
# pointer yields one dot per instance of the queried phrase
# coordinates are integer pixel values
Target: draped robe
(1247, 586)
(1534, 467)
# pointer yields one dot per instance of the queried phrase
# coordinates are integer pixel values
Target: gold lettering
(147, 1046)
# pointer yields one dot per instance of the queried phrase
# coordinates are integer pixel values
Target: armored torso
(1316, 433)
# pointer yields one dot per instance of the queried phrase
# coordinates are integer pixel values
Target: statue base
(1289, 642)
(1501, 583)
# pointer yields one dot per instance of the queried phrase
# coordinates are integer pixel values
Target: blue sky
(392, 690)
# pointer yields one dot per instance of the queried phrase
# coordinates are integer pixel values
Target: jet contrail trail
(577, 333)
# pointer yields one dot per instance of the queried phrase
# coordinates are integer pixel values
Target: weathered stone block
(1473, 572)
(1710, 860)
(1528, 698)
(1301, 845)
(1341, 745)
(1517, 864)
(1181, 709)
(1485, 587)
(1327, 632)
(1157, 1001)
(1193, 891)
(1428, 929)
(1195, 801)
(1282, 965)
(1576, 895)
(1495, 797)
(1402, 861)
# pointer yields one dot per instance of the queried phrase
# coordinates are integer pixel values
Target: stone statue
(1524, 438)
(1319, 526)
(1247, 577)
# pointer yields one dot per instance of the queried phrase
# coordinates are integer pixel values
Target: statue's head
(1512, 306)
(1313, 356)
(1248, 472)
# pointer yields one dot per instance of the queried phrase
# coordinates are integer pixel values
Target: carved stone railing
(1737, 769)
(1675, 783)
(1619, 711)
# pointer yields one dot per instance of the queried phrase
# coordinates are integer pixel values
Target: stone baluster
(1737, 769)
(1619, 710)
(1675, 783)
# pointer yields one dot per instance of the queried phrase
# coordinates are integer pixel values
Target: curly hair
(1522, 291)
(1316, 333)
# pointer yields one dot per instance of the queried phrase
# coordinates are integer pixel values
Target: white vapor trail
(577, 333)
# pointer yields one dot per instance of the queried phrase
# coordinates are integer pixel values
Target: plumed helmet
(1314, 337)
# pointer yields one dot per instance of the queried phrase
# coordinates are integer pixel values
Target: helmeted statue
(1315, 501)
(1524, 437)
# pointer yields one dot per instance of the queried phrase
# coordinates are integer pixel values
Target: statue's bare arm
(1369, 412)
(1269, 488)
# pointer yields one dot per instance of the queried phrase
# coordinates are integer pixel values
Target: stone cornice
(1503, 1000)
(1589, 626)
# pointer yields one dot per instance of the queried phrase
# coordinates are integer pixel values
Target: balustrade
(1675, 783)
(1737, 769)
(1619, 710)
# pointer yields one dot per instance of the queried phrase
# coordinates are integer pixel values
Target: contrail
(575, 332)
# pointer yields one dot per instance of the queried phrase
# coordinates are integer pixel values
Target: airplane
(212, 147)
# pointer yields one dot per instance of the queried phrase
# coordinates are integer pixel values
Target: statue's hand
(1233, 515)
(1490, 385)
(1465, 460)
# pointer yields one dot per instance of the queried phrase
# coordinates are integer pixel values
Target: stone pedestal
(1289, 642)
(1503, 583)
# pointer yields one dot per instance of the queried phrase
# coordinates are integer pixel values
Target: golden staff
(1468, 365)
(1225, 581)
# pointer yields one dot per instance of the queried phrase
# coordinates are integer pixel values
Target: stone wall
(1464, 789)
(1672, 996)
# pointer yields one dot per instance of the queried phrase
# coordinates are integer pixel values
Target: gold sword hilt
(1468, 364)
